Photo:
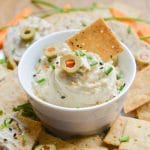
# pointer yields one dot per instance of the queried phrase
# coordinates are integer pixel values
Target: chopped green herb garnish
(80, 53)
(53, 67)
(1, 112)
(93, 63)
(6, 123)
(144, 37)
(41, 81)
(129, 29)
(24, 139)
(121, 87)
(3, 61)
(119, 75)
(109, 70)
(124, 139)
(89, 57)
(26, 110)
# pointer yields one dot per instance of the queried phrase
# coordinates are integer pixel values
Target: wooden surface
(10, 7)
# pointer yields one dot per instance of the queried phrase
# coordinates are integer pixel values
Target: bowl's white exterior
(73, 121)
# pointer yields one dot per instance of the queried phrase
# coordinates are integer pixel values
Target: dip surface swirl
(93, 82)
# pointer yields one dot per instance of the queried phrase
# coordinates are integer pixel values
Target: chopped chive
(3, 61)
(93, 63)
(79, 53)
(24, 138)
(109, 70)
(124, 139)
(26, 110)
(145, 37)
(41, 81)
(119, 75)
(1, 112)
(6, 123)
(121, 87)
(53, 67)
(89, 57)
(129, 29)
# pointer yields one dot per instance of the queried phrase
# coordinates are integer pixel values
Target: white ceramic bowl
(73, 121)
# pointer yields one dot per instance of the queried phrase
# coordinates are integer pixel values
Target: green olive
(11, 64)
(45, 147)
(27, 34)
(70, 63)
(50, 52)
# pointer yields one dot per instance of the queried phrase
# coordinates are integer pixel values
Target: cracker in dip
(75, 79)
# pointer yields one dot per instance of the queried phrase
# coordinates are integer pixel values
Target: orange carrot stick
(117, 13)
(141, 28)
(24, 13)
(144, 30)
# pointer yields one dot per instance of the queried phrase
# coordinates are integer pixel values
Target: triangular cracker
(139, 93)
(116, 131)
(138, 132)
(97, 38)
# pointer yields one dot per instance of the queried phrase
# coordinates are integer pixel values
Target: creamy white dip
(94, 83)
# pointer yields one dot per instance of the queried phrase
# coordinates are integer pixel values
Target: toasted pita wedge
(11, 94)
(139, 94)
(116, 131)
(143, 112)
(138, 132)
(45, 138)
(97, 38)
(18, 133)
(91, 142)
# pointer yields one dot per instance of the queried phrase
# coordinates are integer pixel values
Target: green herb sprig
(126, 19)
(124, 139)
(144, 37)
(109, 70)
(6, 123)
(41, 81)
(26, 110)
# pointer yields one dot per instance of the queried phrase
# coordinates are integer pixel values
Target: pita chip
(139, 93)
(97, 38)
(18, 132)
(138, 132)
(116, 131)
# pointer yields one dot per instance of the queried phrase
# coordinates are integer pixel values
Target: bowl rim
(70, 109)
